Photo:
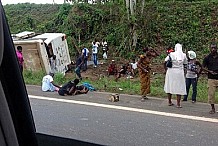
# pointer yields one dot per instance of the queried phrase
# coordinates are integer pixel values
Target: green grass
(123, 85)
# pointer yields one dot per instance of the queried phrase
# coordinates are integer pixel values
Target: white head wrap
(179, 55)
(191, 54)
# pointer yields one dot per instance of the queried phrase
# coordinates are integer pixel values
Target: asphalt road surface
(129, 122)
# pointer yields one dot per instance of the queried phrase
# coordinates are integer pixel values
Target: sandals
(144, 98)
(179, 106)
(212, 112)
(170, 104)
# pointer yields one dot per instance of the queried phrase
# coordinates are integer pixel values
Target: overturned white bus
(38, 50)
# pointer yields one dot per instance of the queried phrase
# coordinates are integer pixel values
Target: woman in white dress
(175, 78)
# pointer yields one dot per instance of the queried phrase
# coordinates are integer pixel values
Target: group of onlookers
(183, 73)
(128, 70)
(82, 59)
(95, 49)
(178, 81)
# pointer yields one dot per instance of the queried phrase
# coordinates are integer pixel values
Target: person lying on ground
(81, 90)
(69, 88)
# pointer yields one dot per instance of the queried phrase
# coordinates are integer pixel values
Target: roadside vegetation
(194, 23)
(125, 86)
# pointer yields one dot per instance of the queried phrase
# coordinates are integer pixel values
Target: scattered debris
(114, 98)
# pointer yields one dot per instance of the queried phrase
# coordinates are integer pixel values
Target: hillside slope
(194, 24)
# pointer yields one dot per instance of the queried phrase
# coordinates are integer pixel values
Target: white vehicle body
(38, 50)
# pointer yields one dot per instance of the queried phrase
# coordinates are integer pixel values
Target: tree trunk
(127, 8)
(134, 38)
(143, 5)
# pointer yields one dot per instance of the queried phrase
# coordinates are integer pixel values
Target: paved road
(153, 103)
(93, 118)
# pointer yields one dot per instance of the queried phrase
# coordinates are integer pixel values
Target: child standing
(193, 70)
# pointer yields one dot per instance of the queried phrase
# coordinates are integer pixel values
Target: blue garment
(77, 71)
(189, 82)
(95, 59)
(79, 60)
(89, 86)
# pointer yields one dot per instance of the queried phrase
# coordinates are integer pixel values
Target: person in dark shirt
(122, 71)
(79, 63)
(210, 64)
(81, 90)
(69, 88)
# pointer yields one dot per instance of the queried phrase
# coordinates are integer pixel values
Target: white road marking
(128, 109)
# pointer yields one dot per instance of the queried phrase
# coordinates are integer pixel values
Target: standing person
(85, 52)
(175, 78)
(69, 88)
(79, 63)
(144, 70)
(104, 49)
(210, 62)
(53, 63)
(48, 83)
(95, 53)
(192, 75)
(20, 57)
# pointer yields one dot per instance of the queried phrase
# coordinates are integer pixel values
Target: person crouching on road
(48, 83)
(69, 88)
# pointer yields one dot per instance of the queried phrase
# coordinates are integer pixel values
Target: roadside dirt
(101, 70)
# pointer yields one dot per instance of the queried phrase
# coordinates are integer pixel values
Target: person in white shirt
(95, 53)
(85, 53)
(175, 78)
(134, 66)
(48, 84)
(104, 49)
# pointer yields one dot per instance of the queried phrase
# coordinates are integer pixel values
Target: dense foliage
(194, 23)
